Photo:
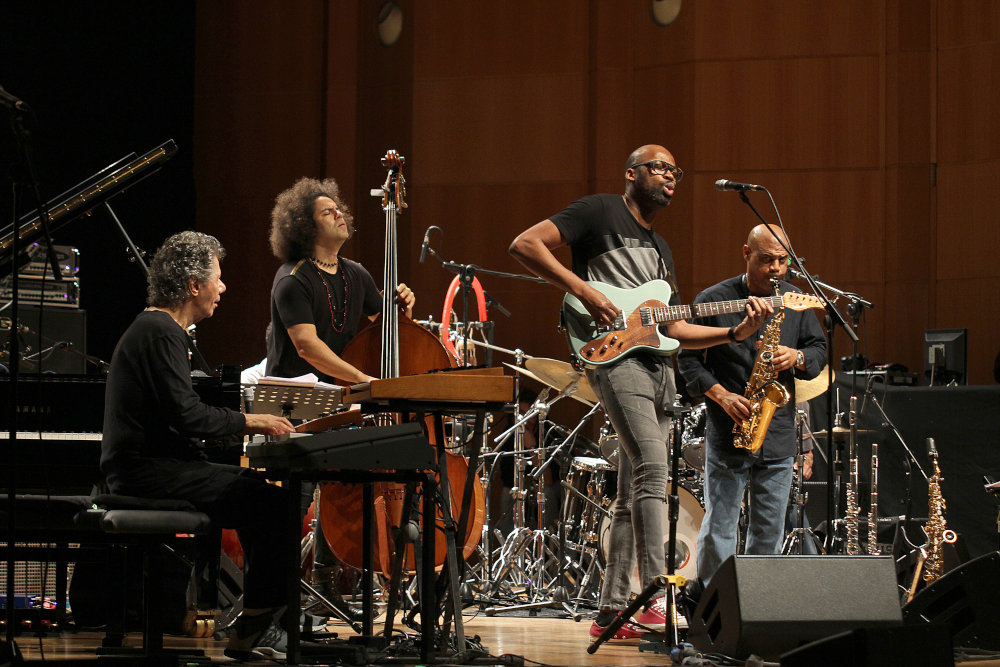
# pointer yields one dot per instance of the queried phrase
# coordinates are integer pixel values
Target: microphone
(931, 448)
(12, 102)
(723, 184)
(427, 242)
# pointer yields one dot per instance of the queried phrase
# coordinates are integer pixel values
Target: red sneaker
(655, 614)
(628, 630)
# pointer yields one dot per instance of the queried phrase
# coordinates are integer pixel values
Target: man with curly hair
(154, 422)
(318, 297)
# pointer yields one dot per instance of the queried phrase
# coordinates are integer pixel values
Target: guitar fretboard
(673, 313)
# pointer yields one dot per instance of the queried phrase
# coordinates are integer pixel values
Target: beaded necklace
(330, 294)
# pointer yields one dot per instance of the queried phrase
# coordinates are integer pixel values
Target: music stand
(298, 400)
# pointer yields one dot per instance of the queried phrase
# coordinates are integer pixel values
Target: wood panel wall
(870, 122)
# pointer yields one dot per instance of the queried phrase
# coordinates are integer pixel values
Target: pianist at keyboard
(154, 422)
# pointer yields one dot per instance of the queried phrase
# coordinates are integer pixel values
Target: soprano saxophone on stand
(766, 394)
(937, 528)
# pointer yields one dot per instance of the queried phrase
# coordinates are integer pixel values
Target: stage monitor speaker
(767, 605)
(57, 336)
(967, 599)
(928, 645)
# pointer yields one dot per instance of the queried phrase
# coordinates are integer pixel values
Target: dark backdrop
(104, 80)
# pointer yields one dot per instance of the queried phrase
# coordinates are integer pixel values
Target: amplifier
(63, 293)
(67, 257)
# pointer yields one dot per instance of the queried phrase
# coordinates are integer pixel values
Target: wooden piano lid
(478, 385)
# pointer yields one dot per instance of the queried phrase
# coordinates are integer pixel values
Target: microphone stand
(9, 653)
(833, 316)
(466, 272)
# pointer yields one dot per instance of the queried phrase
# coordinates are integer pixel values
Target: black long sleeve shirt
(151, 408)
(732, 363)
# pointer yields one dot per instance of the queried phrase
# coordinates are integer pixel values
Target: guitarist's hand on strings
(600, 306)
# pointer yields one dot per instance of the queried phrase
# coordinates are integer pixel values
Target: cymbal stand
(535, 544)
(795, 540)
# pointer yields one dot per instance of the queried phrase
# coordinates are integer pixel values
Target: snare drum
(688, 525)
(584, 502)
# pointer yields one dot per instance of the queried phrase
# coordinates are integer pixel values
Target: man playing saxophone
(793, 345)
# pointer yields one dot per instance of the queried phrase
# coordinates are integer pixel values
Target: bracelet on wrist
(731, 334)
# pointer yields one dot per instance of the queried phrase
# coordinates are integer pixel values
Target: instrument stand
(533, 543)
(795, 540)
(669, 580)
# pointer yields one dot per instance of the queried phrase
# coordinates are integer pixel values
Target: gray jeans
(634, 393)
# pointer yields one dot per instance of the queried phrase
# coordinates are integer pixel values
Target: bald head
(765, 257)
(647, 153)
(760, 235)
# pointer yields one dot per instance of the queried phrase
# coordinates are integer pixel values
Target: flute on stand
(873, 549)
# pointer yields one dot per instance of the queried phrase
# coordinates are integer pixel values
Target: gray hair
(183, 256)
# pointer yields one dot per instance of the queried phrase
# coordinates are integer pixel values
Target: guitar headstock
(799, 301)
(394, 189)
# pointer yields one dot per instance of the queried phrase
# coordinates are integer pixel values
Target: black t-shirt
(609, 244)
(151, 409)
(302, 294)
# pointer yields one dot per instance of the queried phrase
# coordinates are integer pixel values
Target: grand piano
(59, 422)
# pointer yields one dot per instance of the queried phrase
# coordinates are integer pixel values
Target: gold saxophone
(937, 528)
(763, 390)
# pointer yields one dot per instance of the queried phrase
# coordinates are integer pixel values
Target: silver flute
(873, 549)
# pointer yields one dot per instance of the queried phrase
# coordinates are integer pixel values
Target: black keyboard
(374, 448)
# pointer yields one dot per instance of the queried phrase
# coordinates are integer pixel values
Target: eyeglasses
(660, 168)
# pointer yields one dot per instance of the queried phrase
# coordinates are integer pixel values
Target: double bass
(398, 346)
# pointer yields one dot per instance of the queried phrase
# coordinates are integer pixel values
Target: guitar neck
(668, 314)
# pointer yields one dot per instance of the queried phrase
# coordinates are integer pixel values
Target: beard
(654, 194)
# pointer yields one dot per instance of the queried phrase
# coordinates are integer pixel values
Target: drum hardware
(693, 440)
(528, 554)
(608, 443)
(795, 540)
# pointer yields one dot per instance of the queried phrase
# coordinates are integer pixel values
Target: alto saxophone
(937, 528)
(766, 394)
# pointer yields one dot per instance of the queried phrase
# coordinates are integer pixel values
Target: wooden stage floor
(545, 641)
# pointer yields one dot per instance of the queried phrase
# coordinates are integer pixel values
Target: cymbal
(807, 389)
(559, 375)
(841, 433)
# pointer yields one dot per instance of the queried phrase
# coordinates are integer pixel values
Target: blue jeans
(634, 393)
(726, 476)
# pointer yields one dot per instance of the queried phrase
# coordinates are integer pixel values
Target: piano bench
(120, 522)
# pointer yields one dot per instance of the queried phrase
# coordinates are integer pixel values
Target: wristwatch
(800, 359)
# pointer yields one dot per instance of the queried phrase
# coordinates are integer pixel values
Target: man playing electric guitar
(612, 241)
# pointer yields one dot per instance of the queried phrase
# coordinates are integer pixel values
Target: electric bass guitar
(644, 308)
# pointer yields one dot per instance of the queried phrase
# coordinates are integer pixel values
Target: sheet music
(308, 380)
